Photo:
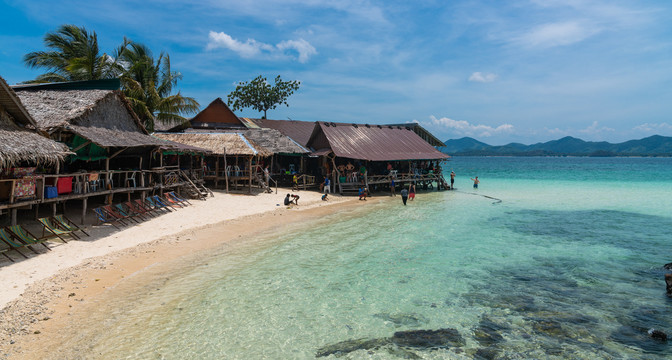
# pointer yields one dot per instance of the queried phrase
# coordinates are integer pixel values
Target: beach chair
(104, 218)
(171, 201)
(175, 197)
(156, 206)
(54, 230)
(141, 211)
(67, 224)
(23, 235)
(113, 212)
(141, 204)
(126, 210)
(159, 201)
(10, 244)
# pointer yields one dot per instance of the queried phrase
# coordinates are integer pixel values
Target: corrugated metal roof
(377, 142)
(299, 131)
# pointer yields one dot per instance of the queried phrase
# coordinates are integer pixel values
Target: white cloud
(301, 46)
(483, 77)
(594, 129)
(464, 128)
(557, 34)
(252, 48)
(651, 128)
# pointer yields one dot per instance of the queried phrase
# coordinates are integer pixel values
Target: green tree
(74, 56)
(148, 84)
(260, 95)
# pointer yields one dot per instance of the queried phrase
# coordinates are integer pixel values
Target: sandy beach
(40, 293)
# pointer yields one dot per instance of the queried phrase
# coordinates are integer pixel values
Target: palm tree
(148, 85)
(74, 56)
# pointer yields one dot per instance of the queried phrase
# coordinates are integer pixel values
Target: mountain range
(655, 145)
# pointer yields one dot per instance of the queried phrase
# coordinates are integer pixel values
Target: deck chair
(162, 203)
(67, 224)
(155, 206)
(26, 237)
(141, 204)
(10, 244)
(175, 197)
(113, 212)
(171, 201)
(54, 230)
(104, 218)
(128, 212)
(142, 212)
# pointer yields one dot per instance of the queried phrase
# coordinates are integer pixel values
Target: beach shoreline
(43, 291)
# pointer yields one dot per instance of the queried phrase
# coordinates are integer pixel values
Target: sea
(550, 258)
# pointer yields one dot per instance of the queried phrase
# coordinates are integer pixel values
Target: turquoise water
(568, 265)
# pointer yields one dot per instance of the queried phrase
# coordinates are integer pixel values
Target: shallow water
(568, 265)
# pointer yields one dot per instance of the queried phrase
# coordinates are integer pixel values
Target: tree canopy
(260, 95)
(147, 83)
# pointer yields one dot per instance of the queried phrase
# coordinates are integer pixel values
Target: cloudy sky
(498, 71)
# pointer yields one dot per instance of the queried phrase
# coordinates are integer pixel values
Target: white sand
(17, 277)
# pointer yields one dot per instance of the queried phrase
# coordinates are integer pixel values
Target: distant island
(655, 145)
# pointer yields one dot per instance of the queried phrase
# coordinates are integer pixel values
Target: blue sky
(499, 71)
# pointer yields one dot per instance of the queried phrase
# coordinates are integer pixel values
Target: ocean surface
(551, 258)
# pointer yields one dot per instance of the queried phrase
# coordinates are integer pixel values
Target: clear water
(568, 265)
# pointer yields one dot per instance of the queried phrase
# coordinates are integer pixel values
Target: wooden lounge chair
(141, 211)
(54, 230)
(104, 218)
(113, 212)
(164, 203)
(126, 211)
(158, 205)
(175, 197)
(141, 204)
(23, 235)
(171, 201)
(63, 222)
(10, 244)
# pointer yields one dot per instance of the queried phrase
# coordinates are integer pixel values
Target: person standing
(452, 180)
(411, 191)
(326, 185)
(404, 195)
(392, 189)
(476, 182)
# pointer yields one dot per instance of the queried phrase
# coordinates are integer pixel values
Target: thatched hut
(22, 149)
(228, 149)
(20, 141)
(98, 125)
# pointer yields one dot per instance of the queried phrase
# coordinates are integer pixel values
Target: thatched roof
(18, 143)
(275, 141)
(103, 116)
(218, 143)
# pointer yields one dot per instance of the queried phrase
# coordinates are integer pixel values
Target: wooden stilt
(84, 204)
(14, 215)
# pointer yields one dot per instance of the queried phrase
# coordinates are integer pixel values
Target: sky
(499, 71)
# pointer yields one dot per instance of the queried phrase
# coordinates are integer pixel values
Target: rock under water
(415, 339)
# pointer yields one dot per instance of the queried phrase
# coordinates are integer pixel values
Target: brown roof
(19, 143)
(217, 115)
(298, 131)
(373, 142)
(218, 143)
(102, 116)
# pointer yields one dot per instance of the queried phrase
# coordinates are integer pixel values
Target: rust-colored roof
(217, 115)
(374, 142)
(298, 131)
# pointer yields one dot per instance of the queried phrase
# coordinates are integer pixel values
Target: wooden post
(14, 211)
(53, 209)
(217, 172)
(226, 174)
(84, 204)
(249, 168)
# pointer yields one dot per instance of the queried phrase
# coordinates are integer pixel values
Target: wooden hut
(112, 148)
(234, 158)
(345, 148)
(22, 149)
